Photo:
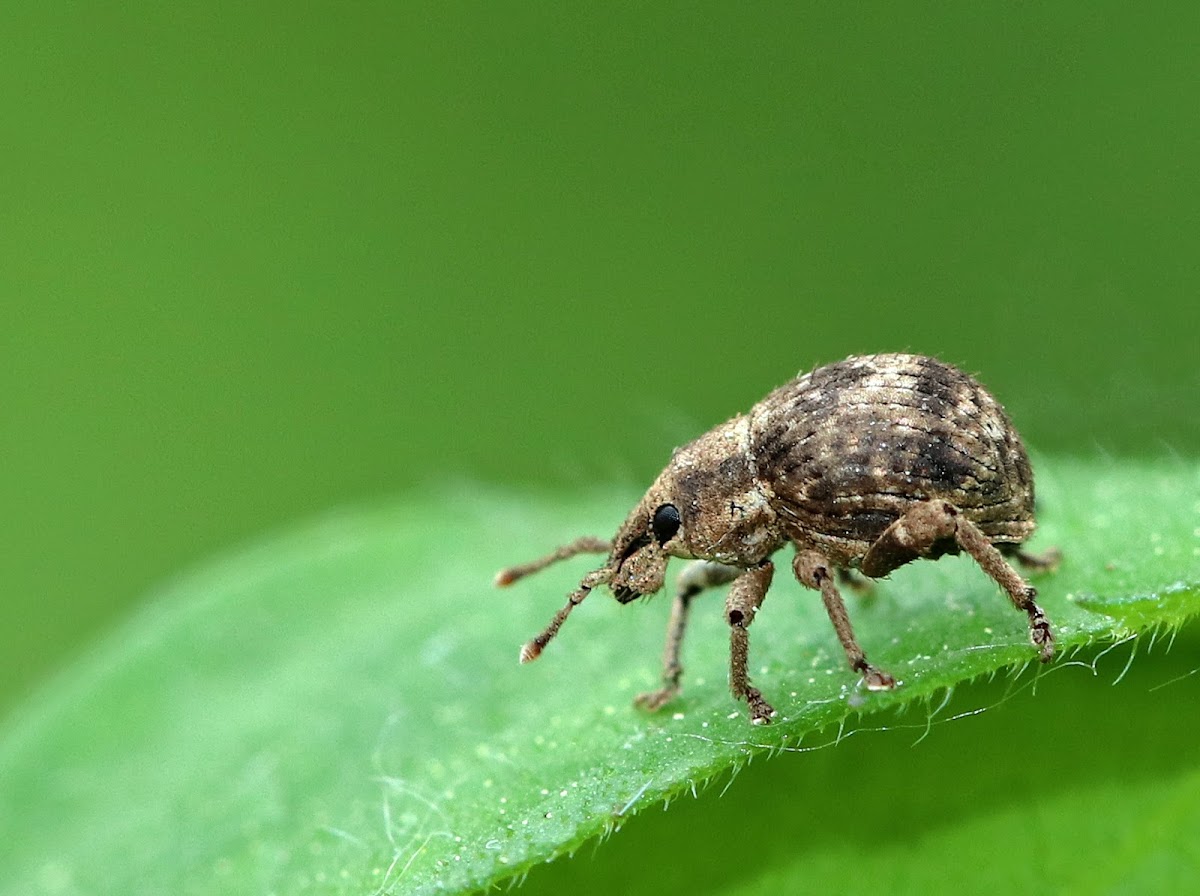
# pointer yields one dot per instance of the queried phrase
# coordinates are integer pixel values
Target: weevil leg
(697, 576)
(860, 585)
(1047, 561)
(813, 571)
(972, 540)
(925, 528)
(745, 597)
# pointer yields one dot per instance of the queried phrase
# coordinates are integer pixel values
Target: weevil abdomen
(849, 447)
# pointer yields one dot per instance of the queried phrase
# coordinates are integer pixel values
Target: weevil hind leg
(930, 528)
(859, 584)
(815, 572)
(697, 576)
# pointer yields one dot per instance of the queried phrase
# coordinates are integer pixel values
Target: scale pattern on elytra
(847, 448)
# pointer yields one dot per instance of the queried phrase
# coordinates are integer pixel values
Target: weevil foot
(1040, 633)
(761, 712)
(652, 701)
(875, 678)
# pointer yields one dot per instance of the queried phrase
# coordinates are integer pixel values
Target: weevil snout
(624, 594)
(639, 572)
(636, 567)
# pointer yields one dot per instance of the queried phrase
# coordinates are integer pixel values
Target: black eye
(665, 523)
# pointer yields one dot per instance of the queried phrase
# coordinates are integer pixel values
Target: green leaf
(340, 710)
(1078, 786)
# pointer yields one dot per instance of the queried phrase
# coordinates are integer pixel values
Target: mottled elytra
(862, 465)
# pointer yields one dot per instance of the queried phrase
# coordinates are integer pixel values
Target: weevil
(861, 466)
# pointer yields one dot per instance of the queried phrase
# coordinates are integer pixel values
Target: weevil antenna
(588, 544)
(533, 649)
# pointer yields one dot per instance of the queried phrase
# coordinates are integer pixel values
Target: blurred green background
(261, 260)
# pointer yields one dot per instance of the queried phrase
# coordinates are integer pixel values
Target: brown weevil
(865, 464)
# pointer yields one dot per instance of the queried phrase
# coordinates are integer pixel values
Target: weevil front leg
(697, 576)
(814, 572)
(745, 597)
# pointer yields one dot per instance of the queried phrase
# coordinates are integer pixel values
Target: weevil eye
(666, 523)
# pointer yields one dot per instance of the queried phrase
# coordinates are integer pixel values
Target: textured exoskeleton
(862, 465)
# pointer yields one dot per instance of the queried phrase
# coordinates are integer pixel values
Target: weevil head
(638, 561)
(706, 504)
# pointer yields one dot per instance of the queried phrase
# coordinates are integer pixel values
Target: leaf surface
(339, 709)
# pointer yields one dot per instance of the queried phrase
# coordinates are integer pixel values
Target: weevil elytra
(865, 464)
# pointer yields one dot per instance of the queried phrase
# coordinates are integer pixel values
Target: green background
(260, 261)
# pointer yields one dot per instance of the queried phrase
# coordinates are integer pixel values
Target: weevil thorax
(708, 504)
